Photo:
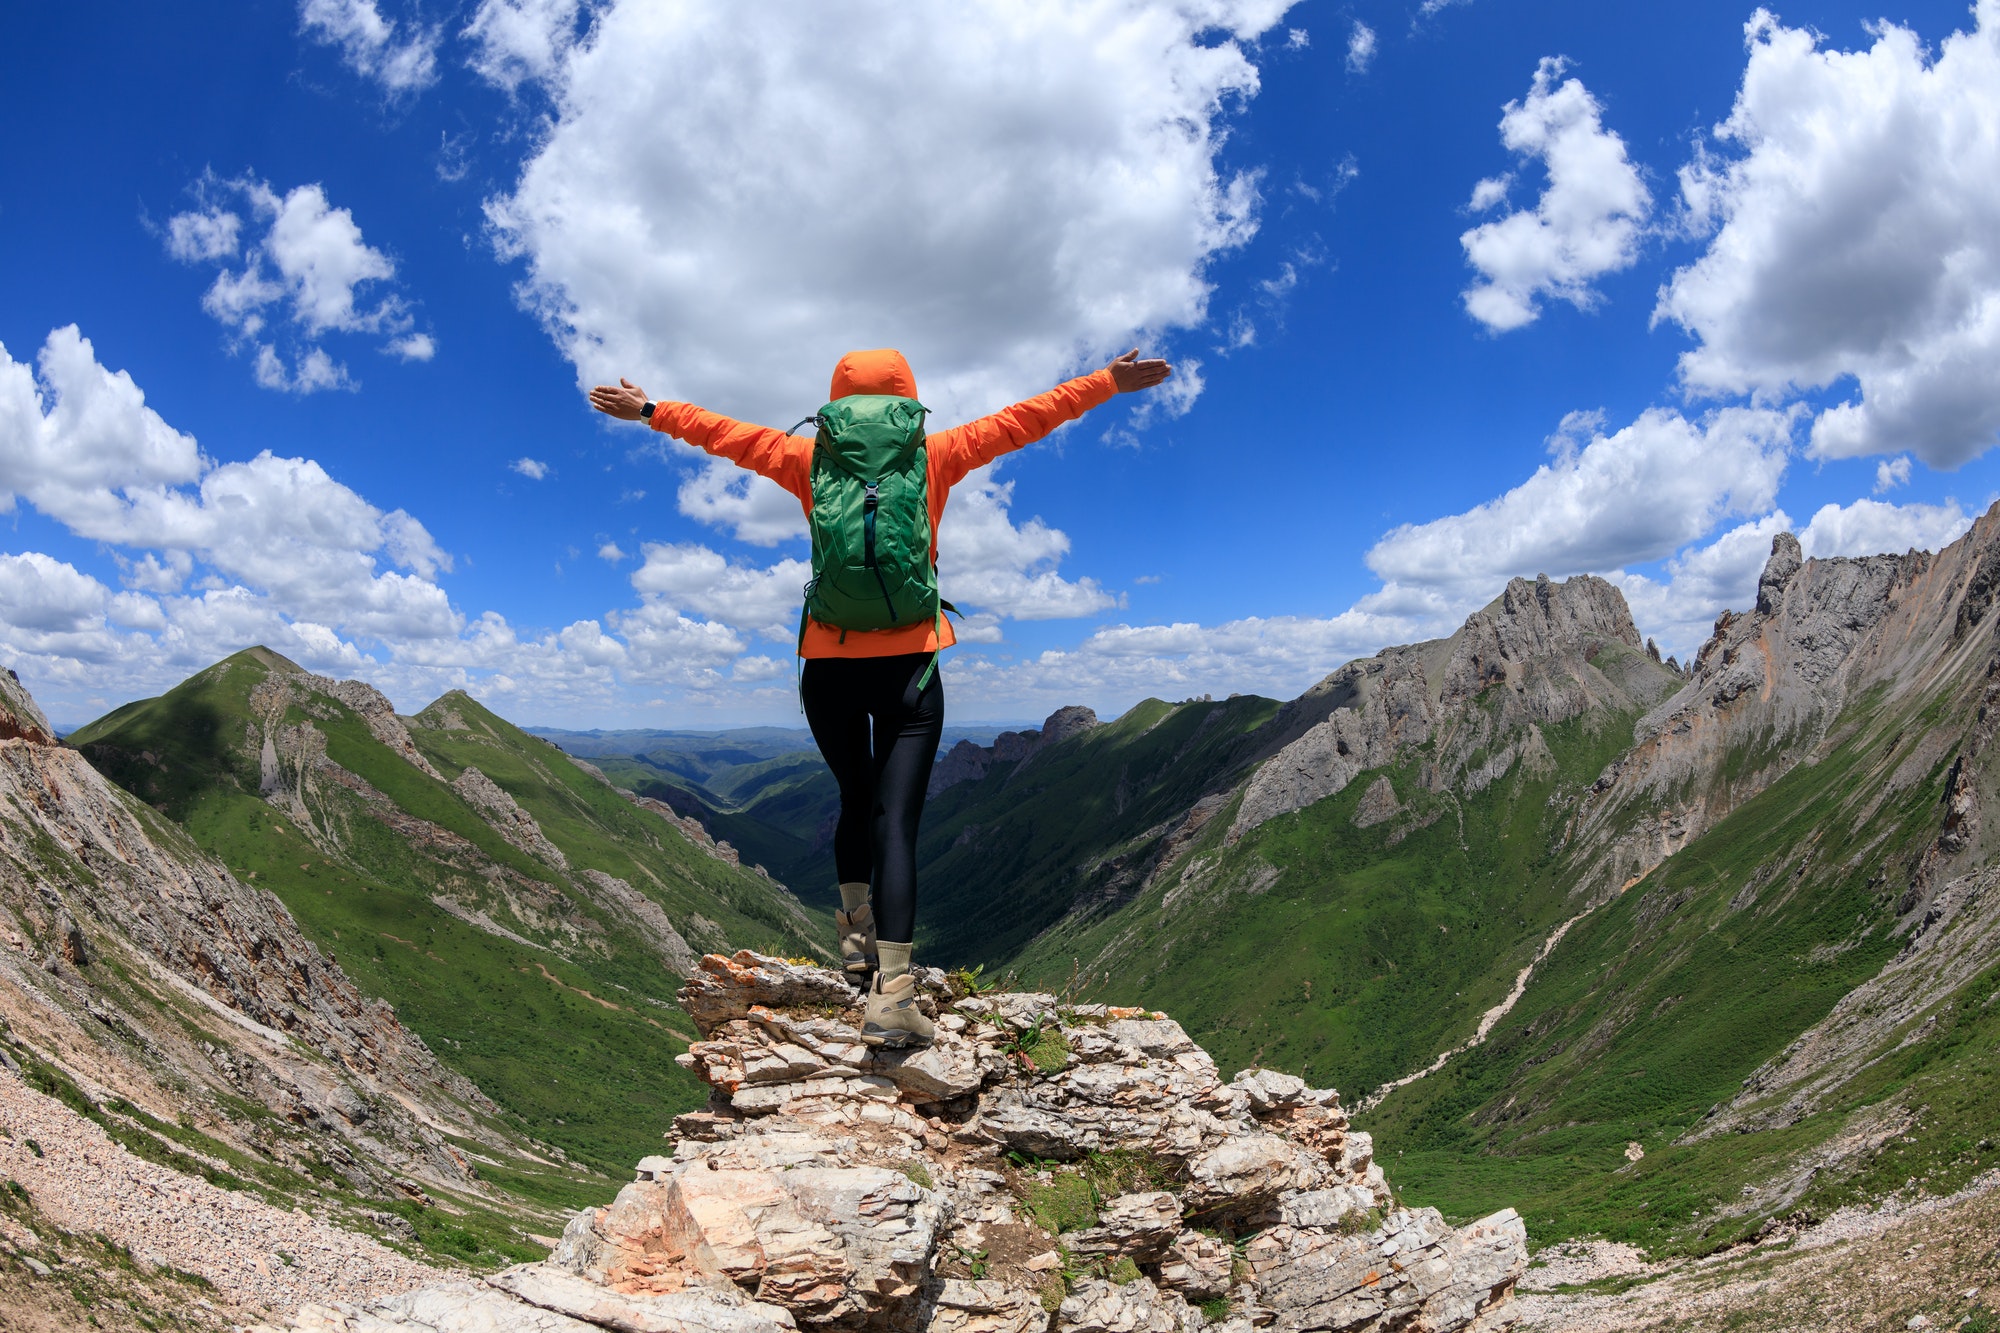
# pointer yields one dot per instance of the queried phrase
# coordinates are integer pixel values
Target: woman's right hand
(622, 400)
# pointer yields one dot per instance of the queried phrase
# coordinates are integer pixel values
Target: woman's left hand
(622, 400)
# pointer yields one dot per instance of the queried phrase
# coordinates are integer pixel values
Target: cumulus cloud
(1631, 497)
(1059, 197)
(1704, 581)
(308, 273)
(401, 58)
(1360, 48)
(515, 41)
(102, 463)
(1891, 473)
(1852, 209)
(534, 469)
(1588, 222)
(987, 561)
(686, 576)
(752, 509)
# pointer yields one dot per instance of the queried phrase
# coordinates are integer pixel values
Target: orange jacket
(787, 460)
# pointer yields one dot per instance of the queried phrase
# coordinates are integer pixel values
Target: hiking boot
(857, 942)
(892, 1018)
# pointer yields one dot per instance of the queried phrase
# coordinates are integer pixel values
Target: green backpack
(871, 518)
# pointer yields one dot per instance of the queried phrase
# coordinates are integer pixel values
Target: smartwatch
(646, 412)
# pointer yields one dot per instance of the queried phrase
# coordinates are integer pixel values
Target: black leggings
(881, 782)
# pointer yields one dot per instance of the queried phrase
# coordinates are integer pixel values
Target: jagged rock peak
(833, 1186)
(1786, 559)
(20, 717)
(968, 761)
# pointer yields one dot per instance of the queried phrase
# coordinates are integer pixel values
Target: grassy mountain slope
(548, 989)
(1011, 854)
(1347, 953)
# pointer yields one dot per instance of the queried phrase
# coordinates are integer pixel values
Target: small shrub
(1124, 1271)
(1043, 1048)
(1215, 1311)
(1053, 1291)
(918, 1173)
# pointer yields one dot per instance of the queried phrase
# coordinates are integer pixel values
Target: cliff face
(1830, 646)
(470, 874)
(1043, 1168)
(146, 970)
(1540, 653)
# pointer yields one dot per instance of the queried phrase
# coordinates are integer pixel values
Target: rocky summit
(1044, 1166)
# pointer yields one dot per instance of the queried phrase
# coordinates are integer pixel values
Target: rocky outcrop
(1540, 653)
(20, 717)
(1769, 686)
(1060, 1169)
(506, 817)
(144, 967)
(969, 762)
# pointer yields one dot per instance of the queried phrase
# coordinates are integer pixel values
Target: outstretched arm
(959, 450)
(783, 458)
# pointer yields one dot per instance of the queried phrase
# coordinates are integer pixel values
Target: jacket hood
(881, 371)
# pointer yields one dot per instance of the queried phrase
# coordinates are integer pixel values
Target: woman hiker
(874, 484)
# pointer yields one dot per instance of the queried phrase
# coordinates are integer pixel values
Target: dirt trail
(1487, 1021)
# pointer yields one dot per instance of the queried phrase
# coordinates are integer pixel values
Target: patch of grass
(1065, 1202)
(1043, 1048)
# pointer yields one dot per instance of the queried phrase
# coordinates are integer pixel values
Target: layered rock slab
(831, 1186)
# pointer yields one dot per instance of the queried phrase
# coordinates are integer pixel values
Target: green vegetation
(567, 1019)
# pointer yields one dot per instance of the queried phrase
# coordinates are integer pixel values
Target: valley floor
(91, 1236)
(1937, 1261)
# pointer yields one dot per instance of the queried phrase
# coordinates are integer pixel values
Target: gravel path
(86, 1183)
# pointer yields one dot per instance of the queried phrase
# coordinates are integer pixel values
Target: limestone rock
(726, 988)
(985, 1307)
(1097, 1306)
(1138, 1226)
(20, 716)
(1198, 1266)
(828, 1187)
(507, 817)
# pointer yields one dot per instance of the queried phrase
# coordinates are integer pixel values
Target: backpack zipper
(869, 502)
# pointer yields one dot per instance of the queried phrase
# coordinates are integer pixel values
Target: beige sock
(853, 896)
(894, 960)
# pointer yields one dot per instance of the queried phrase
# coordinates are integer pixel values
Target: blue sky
(1728, 274)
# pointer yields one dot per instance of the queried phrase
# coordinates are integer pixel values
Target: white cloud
(1588, 222)
(519, 40)
(1297, 39)
(534, 469)
(1871, 527)
(1856, 233)
(609, 551)
(48, 595)
(685, 576)
(102, 463)
(1058, 197)
(1627, 498)
(415, 347)
(316, 371)
(203, 235)
(987, 561)
(1704, 581)
(1361, 45)
(753, 509)
(401, 59)
(1891, 473)
(312, 259)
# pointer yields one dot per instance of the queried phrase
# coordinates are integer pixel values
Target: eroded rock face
(1550, 651)
(829, 1186)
